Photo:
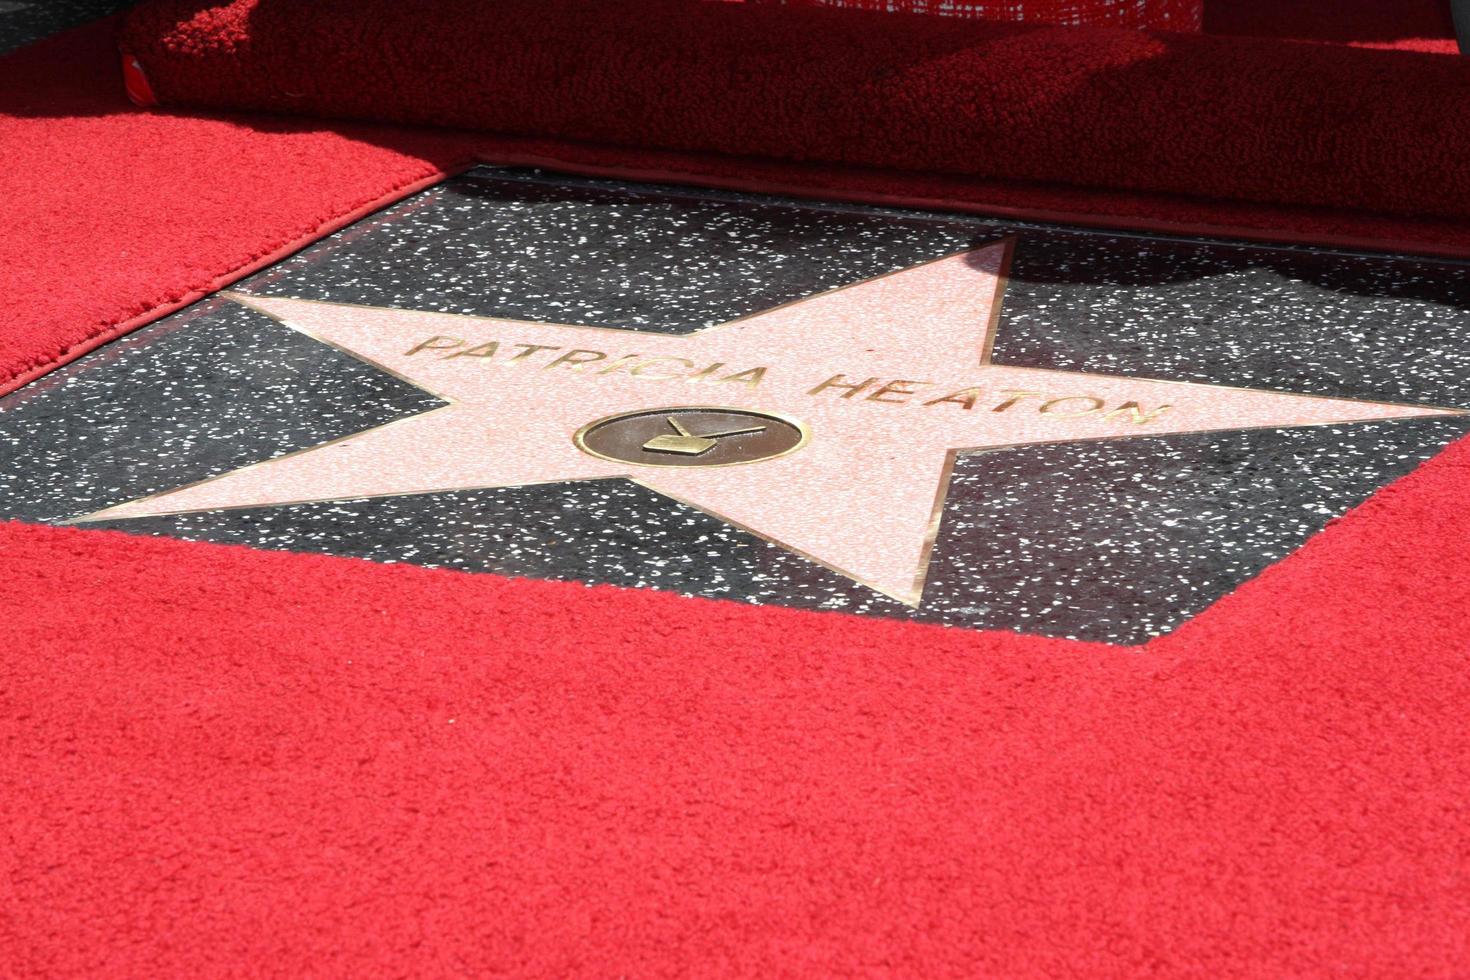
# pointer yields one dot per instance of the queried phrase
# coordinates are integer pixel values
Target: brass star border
(891, 377)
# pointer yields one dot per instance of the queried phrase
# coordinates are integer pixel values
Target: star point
(890, 377)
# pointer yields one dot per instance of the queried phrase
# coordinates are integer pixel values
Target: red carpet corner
(229, 761)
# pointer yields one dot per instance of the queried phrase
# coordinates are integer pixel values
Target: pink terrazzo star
(890, 376)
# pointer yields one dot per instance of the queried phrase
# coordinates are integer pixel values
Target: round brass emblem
(691, 436)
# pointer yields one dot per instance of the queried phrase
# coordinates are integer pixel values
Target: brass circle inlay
(691, 436)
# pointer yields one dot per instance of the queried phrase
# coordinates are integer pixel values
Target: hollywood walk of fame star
(887, 379)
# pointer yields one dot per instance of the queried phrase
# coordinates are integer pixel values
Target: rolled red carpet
(1252, 120)
(189, 202)
(219, 761)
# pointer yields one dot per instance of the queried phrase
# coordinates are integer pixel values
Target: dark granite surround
(25, 21)
(1112, 540)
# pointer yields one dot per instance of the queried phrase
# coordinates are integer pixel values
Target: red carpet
(189, 203)
(1097, 108)
(227, 761)
(234, 761)
(1416, 25)
(113, 215)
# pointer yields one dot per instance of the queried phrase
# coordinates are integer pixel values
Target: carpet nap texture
(221, 761)
(1261, 121)
(117, 216)
(114, 216)
(232, 761)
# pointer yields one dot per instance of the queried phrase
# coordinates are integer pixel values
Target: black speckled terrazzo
(1113, 540)
(25, 21)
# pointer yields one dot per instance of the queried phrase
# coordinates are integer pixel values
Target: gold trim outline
(579, 437)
